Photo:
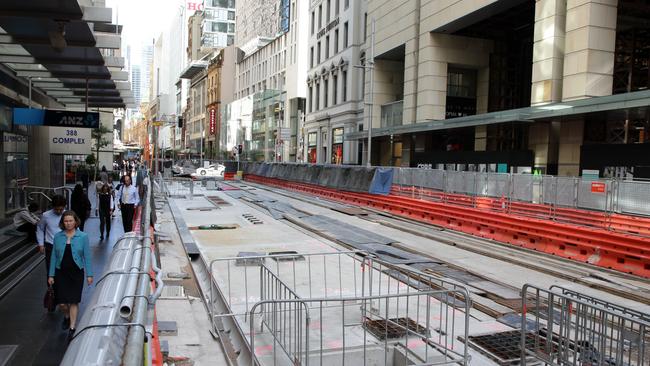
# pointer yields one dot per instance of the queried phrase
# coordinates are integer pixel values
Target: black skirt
(69, 280)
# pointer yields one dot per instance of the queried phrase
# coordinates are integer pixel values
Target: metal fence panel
(565, 329)
(590, 199)
(522, 187)
(437, 179)
(565, 191)
(633, 197)
(497, 185)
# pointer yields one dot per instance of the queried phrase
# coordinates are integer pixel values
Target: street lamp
(370, 65)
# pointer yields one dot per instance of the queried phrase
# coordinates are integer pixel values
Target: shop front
(312, 149)
(337, 146)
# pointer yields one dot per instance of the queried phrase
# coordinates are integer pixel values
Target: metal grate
(243, 260)
(288, 255)
(216, 200)
(505, 347)
(394, 328)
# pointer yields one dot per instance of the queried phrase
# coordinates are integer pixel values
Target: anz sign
(47, 117)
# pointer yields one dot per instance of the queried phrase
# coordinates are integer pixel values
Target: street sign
(48, 117)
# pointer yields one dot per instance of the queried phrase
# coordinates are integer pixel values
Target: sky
(143, 20)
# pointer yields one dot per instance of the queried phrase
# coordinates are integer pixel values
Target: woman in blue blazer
(70, 259)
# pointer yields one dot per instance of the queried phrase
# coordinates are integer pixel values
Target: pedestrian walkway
(26, 323)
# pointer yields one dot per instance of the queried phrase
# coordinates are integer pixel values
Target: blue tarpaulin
(382, 181)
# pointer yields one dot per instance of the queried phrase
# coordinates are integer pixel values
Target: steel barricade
(328, 282)
(606, 304)
(632, 197)
(561, 329)
(593, 199)
(179, 187)
(364, 330)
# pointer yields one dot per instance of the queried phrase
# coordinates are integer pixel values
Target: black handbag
(49, 302)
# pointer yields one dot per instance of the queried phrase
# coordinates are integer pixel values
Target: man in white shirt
(48, 226)
(128, 199)
(26, 219)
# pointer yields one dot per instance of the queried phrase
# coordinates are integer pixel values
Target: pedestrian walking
(80, 204)
(128, 200)
(26, 219)
(48, 226)
(106, 207)
(103, 175)
(71, 258)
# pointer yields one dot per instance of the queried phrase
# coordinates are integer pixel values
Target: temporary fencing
(605, 248)
(340, 308)
(563, 327)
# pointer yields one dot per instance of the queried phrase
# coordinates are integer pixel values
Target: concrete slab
(192, 339)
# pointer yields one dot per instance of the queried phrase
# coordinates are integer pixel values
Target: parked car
(215, 170)
(184, 167)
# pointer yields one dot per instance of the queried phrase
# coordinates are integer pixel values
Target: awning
(634, 105)
(69, 51)
(193, 69)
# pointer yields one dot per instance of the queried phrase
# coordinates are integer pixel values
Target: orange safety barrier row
(614, 250)
(612, 221)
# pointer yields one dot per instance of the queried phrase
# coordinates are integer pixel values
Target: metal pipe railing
(134, 353)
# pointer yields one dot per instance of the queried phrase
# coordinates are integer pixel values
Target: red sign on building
(213, 121)
(193, 5)
(597, 187)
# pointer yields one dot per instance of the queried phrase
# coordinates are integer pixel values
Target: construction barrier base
(614, 250)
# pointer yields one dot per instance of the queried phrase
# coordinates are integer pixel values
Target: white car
(211, 171)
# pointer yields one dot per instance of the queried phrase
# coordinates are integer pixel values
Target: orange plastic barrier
(613, 221)
(614, 250)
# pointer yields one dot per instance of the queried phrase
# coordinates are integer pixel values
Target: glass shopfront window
(337, 146)
(16, 169)
(76, 170)
(311, 147)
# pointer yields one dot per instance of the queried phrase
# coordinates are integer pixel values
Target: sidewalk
(25, 322)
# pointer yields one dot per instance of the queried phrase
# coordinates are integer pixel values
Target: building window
(345, 35)
(336, 41)
(311, 146)
(334, 89)
(344, 85)
(325, 93)
(318, 53)
(320, 16)
(347, 4)
(231, 27)
(313, 21)
(327, 47)
(311, 95)
(336, 7)
(231, 15)
(311, 57)
(317, 97)
(328, 11)
(337, 146)
(365, 26)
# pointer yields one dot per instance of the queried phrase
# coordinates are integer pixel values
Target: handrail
(37, 193)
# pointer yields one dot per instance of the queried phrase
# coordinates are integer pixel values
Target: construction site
(329, 265)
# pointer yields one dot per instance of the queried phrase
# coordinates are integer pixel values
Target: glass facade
(253, 122)
(219, 23)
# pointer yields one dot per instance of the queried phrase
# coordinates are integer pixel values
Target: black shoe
(65, 324)
(101, 238)
(71, 334)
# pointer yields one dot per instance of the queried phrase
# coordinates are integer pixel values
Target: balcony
(391, 114)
